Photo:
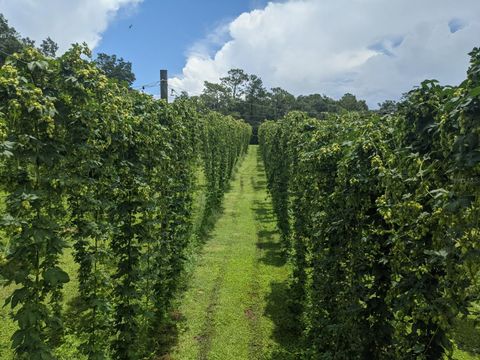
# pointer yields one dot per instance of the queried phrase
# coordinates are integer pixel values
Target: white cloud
(375, 49)
(65, 21)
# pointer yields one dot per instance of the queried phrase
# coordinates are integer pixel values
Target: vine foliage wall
(105, 172)
(380, 219)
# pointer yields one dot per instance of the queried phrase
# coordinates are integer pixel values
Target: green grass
(466, 336)
(234, 307)
(463, 355)
(8, 326)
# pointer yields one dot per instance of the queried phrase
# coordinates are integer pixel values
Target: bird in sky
(130, 26)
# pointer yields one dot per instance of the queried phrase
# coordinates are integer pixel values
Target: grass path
(234, 307)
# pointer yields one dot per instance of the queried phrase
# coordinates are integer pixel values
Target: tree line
(244, 96)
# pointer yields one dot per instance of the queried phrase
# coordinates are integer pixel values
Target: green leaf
(475, 92)
(418, 348)
(439, 192)
(55, 276)
(19, 295)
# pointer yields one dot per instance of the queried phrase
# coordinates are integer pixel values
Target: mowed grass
(8, 326)
(235, 306)
(467, 336)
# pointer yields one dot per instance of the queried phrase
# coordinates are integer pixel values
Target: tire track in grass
(208, 329)
(254, 311)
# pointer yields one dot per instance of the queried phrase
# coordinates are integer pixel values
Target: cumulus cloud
(375, 49)
(65, 21)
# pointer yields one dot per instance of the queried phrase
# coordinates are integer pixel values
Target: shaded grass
(8, 326)
(284, 330)
(466, 336)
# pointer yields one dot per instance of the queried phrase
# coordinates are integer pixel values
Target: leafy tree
(49, 47)
(215, 97)
(182, 96)
(255, 89)
(244, 96)
(255, 108)
(387, 107)
(315, 105)
(236, 82)
(115, 68)
(10, 40)
(281, 102)
(349, 102)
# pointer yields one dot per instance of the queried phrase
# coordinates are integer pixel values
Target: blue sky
(162, 32)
